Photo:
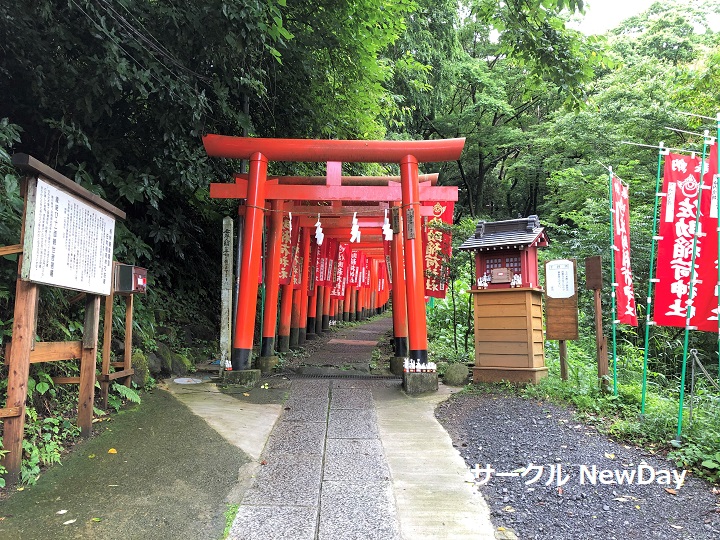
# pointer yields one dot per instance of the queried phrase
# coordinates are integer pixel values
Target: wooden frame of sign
(561, 306)
(561, 302)
(65, 252)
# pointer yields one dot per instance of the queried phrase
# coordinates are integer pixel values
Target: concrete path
(434, 489)
(338, 459)
(243, 424)
(359, 459)
(325, 476)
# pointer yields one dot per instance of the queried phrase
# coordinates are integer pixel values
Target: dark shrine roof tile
(509, 234)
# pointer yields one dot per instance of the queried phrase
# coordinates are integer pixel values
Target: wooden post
(272, 279)
(562, 345)
(399, 304)
(250, 264)
(127, 359)
(23, 337)
(346, 303)
(107, 341)
(353, 303)
(304, 280)
(594, 282)
(325, 323)
(226, 295)
(414, 275)
(602, 357)
(319, 309)
(87, 364)
(312, 307)
(295, 319)
(283, 339)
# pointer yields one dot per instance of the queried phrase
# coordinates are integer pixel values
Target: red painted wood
(305, 277)
(414, 276)
(333, 150)
(272, 270)
(252, 247)
(399, 293)
(239, 190)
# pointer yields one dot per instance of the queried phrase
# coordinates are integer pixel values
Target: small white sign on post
(560, 279)
(68, 243)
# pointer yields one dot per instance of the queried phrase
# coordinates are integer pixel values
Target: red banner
(340, 275)
(366, 272)
(311, 268)
(298, 264)
(624, 294)
(354, 268)
(331, 261)
(288, 248)
(360, 275)
(681, 186)
(321, 264)
(437, 243)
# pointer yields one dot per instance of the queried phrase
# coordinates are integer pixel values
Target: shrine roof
(508, 234)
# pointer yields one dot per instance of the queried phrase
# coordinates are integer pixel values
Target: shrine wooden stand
(509, 344)
(508, 335)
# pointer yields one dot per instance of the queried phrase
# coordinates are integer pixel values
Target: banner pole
(661, 152)
(613, 283)
(689, 310)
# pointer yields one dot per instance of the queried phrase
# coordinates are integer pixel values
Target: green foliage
(3, 470)
(230, 513)
(120, 393)
(619, 416)
(45, 439)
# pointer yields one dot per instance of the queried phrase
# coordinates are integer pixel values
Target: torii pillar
(399, 305)
(272, 274)
(250, 263)
(305, 279)
(414, 281)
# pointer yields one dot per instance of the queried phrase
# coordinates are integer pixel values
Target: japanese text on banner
(437, 243)
(681, 187)
(624, 294)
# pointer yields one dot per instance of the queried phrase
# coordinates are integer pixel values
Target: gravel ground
(510, 433)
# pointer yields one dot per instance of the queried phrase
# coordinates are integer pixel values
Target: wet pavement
(300, 458)
(170, 477)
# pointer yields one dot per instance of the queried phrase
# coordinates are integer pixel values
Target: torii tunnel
(262, 194)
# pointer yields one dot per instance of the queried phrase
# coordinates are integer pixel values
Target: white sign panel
(560, 279)
(68, 243)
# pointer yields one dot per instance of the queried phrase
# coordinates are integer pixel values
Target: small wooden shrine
(509, 342)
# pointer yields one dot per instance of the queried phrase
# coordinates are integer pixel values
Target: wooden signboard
(68, 243)
(67, 235)
(593, 273)
(561, 304)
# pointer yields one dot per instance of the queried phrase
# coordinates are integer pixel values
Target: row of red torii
(259, 192)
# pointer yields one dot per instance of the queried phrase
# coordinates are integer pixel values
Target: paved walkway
(358, 459)
(338, 459)
(325, 475)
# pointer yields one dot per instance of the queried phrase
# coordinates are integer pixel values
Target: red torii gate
(257, 190)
